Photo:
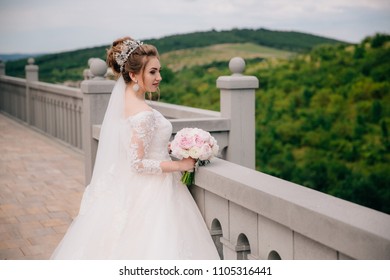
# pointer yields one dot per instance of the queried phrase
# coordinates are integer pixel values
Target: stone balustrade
(251, 215)
(52, 109)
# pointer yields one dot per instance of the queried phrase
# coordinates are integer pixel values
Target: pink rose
(205, 152)
(199, 141)
(186, 142)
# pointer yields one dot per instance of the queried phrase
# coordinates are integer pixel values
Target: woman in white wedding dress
(135, 206)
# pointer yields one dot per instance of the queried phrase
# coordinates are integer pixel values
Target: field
(177, 60)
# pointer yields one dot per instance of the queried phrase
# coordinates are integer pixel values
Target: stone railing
(250, 215)
(52, 109)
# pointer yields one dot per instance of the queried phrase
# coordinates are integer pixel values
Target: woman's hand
(187, 164)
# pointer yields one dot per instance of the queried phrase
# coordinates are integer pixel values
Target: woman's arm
(141, 137)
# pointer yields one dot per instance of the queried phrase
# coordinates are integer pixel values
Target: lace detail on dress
(143, 127)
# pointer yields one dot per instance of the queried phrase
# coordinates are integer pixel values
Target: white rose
(194, 152)
(185, 154)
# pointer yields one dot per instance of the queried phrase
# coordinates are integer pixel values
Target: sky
(50, 26)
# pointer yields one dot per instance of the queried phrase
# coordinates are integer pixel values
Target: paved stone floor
(41, 184)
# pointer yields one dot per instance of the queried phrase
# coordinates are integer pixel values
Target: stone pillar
(2, 68)
(31, 70)
(32, 75)
(238, 104)
(96, 94)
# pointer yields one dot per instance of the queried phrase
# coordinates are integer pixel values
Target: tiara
(128, 46)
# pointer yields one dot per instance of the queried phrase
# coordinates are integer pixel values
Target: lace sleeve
(142, 132)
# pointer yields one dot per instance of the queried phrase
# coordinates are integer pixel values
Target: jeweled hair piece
(128, 46)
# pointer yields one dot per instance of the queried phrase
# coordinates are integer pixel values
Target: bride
(135, 206)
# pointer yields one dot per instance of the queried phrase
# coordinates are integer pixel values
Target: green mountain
(285, 40)
(60, 67)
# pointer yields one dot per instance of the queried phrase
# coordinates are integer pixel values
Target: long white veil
(109, 139)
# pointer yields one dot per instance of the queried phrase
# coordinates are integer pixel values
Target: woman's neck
(139, 95)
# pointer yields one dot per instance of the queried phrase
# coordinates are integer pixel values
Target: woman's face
(152, 77)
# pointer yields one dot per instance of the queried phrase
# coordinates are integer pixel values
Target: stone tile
(14, 209)
(35, 210)
(41, 185)
(30, 225)
(53, 207)
(55, 222)
(41, 231)
(7, 227)
(61, 229)
(52, 239)
(13, 243)
(11, 254)
(8, 220)
(33, 250)
(11, 233)
(60, 215)
(33, 217)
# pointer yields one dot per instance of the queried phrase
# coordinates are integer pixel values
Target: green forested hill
(324, 123)
(322, 118)
(60, 67)
(285, 40)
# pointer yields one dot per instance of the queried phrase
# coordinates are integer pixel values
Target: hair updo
(136, 61)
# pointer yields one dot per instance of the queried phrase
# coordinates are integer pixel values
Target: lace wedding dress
(134, 211)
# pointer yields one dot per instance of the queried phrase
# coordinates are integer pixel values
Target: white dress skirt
(134, 211)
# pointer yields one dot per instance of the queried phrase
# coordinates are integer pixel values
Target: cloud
(70, 24)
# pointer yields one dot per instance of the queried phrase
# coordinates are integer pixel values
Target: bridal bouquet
(197, 144)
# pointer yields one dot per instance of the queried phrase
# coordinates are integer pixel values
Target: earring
(136, 86)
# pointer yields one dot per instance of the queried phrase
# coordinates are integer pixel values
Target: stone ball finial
(237, 65)
(98, 67)
(90, 61)
(31, 61)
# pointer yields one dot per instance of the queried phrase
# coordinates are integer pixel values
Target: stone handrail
(258, 216)
(173, 111)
